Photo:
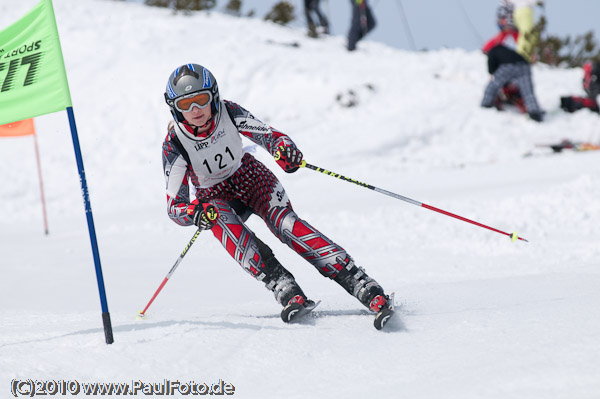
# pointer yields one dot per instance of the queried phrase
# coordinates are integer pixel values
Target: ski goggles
(187, 102)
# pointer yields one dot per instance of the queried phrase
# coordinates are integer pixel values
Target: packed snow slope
(479, 316)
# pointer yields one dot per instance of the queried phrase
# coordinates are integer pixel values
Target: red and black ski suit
(215, 169)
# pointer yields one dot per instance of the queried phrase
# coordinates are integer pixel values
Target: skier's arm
(257, 131)
(279, 145)
(176, 177)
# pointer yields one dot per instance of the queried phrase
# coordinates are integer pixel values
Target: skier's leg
(253, 255)
(503, 75)
(268, 199)
(322, 18)
(277, 278)
(241, 209)
(355, 33)
(371, 22)
(327, 257)
(523, 80)
(308, 10)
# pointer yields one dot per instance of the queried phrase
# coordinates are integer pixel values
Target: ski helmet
(185, 82)
(504, 14)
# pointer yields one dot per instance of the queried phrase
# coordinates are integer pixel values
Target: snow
(479, 316)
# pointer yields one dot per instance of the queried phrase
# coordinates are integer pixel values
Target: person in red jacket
(509, 68)
(214, 184)
(591, 86)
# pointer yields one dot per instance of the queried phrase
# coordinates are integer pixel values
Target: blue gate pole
(90, 221)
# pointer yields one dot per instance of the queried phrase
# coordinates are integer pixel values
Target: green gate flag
(33, 80)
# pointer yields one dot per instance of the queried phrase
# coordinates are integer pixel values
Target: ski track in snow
(478, 316)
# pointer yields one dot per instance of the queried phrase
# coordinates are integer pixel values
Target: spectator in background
(362, 22)
(312, 7)
(591, 85)
(510, 54)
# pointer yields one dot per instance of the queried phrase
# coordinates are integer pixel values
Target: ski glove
(204, 215)
(289, 158)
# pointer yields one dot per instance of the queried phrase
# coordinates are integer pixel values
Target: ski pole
(512, 236)
(160, 287)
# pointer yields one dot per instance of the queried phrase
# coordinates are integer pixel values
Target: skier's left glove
(289, 158)
(204, 215)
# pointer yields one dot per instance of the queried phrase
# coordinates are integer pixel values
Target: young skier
(203, 148)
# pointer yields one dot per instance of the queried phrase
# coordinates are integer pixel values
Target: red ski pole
(513, 236)
(160, 287)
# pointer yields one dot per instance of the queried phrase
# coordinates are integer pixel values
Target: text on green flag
(33, 81)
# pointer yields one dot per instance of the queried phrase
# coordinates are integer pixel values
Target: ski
(571, 145)
(295, 311)
(384, 314)
(577, 146)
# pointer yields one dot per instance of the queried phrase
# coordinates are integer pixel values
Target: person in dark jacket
(362, 22)
(509, 64)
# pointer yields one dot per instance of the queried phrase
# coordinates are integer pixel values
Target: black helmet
(189, 80)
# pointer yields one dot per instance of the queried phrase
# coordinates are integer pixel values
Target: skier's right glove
(204, 215)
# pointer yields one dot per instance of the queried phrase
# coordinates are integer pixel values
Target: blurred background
(423, 24)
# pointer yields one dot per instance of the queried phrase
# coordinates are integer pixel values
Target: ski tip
(294, 311)
(382, 318)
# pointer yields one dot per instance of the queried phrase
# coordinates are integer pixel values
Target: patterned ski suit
(507, 65)
(237, 184)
